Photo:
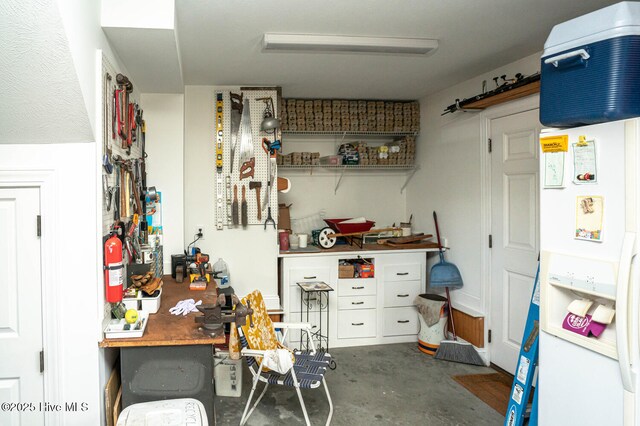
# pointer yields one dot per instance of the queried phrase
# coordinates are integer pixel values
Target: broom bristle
(455, 351)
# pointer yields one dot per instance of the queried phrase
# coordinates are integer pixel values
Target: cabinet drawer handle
(358, 288)
(310, 278)
(357, 303)
(403, 321)
(402, 273)
(402, 295)
(357, 323)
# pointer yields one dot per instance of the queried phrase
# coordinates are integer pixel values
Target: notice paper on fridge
(589, 213)
(584, 162)
(554, 170)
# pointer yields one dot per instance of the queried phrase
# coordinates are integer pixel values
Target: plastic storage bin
(590, 68)
(145, 303)
(227, 373)
(172, 412)
(153, 373)
(331, 160)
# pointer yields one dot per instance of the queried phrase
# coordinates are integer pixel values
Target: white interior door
(20, 307)
(514, 230)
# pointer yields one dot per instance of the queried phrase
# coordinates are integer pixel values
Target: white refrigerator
(589, 207)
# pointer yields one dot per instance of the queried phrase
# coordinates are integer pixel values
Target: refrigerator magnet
(584, 162)
(589, 214)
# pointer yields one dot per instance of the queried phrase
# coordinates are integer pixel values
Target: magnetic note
(554, 169)
(584, 163)
(589, 213)
(555, 143)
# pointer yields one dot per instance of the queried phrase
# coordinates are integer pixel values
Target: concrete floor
(381, 385)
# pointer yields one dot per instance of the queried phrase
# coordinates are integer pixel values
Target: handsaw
(235, 116)
(246, 136)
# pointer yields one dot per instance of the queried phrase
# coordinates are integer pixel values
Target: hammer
(257, 185)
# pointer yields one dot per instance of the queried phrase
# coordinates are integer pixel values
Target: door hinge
(39, 226)
(42, 361)
(489, 145)
(489, 336)
(490, 241)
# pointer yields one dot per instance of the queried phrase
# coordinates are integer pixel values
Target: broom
(447, 275)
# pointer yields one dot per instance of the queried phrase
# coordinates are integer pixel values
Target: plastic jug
(221, 273)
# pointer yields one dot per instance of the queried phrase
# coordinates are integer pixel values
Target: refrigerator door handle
(622, 312)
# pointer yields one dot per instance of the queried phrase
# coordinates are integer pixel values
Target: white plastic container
(115, 328)
(429, 337)
(228, 375)
(221, 273)
(170, 412)
(144, 303)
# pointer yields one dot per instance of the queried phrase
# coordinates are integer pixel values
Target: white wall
(87, 43)
(164, 117)
(39, 83)
(81, 20)
(69, 227)
(251, 254)
(450, 150)
(373, 194)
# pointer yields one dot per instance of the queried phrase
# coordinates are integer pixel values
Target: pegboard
(115, 144)
(261, 172)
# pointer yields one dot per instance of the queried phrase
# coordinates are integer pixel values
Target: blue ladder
(527, 364)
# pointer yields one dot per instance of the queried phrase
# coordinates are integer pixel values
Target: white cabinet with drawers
(362, 311)
(356, 323)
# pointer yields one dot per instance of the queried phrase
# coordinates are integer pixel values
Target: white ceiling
(220, 42)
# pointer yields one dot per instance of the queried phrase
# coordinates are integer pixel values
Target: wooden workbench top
(165, 329)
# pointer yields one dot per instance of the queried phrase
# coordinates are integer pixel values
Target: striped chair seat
(257, 335)
(309, 369)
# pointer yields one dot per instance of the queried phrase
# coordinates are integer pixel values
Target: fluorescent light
(333, 43)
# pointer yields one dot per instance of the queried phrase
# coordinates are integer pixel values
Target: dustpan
(444, 274)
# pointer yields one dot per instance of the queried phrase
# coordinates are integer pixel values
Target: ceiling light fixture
(334, 43)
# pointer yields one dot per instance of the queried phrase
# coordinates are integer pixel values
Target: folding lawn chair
(257, 336)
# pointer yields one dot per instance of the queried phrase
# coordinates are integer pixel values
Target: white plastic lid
(616, 20)
(171, 412)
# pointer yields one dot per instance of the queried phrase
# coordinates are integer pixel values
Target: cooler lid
(616, 20)
(171, 412)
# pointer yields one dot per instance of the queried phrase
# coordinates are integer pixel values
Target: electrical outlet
(199, 230)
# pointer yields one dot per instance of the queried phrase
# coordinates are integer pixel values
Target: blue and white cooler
(590, 68)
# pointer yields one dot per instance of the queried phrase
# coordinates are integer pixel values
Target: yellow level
(219, 132)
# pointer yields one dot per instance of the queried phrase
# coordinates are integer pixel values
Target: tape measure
(220, 184)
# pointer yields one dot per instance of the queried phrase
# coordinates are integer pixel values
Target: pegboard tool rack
(261, 173)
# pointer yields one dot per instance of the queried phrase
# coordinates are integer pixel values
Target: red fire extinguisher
(113, 269)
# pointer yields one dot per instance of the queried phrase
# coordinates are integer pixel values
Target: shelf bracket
(409, 177)
(463, 109)
(335, 191)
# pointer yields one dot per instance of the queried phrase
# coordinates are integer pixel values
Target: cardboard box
(284, 219)
(346, 271)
